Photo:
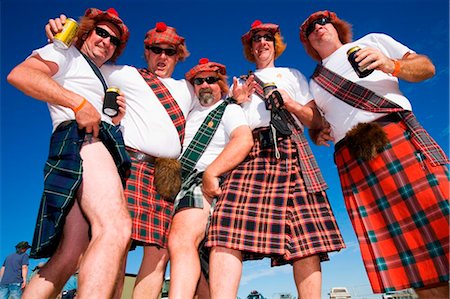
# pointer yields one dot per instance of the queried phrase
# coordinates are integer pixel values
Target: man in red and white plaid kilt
(394, 176)
(274, 203)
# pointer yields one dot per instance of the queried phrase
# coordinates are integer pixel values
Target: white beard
(206, 97)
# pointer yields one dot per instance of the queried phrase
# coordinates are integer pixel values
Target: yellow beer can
(65, 38)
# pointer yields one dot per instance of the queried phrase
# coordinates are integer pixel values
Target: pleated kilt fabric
(151, 215)
(265, 211)
(398, 205)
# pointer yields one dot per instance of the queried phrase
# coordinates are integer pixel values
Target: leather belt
(140, 156)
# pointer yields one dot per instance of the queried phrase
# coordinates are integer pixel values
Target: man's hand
(373, 59)
(88, 118)
(54, 26)
(122, 107)
(242, 92)
(210, 186)
(321, 136)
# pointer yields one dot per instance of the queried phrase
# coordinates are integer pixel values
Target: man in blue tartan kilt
(394, 176)
(83, 221)
(274, 203)
(217, 139)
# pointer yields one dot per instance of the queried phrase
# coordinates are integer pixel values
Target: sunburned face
(161, 59)
(101, 43)
(207, 93)
(322, 33)
(263, 49)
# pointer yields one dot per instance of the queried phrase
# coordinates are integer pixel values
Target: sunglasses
(321, 21)
(209, 80)
(105, 34)
(267, 37)
(159, 50)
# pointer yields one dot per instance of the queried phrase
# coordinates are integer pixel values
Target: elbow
(249, 143)
(14, 77)
(431, 71)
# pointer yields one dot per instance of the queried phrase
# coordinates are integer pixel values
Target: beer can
(110, 106)
(267, 88)
(65, 38)
(361, 71)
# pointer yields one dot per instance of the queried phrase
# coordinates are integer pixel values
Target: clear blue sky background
(212, 29)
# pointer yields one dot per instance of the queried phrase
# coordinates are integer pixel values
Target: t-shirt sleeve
(303, 96)
(233, 117)
(56, 55)
(25, 260)
(389, 46)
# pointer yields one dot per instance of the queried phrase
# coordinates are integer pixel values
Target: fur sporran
(365, 140)
(167, 177)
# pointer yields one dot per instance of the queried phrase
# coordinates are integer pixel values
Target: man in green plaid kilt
(83, 221)
(217, 139)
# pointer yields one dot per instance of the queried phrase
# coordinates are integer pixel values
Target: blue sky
(212, 29)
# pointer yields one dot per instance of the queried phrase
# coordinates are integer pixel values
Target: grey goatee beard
(205, 96)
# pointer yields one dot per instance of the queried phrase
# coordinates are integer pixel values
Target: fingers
(95, 130)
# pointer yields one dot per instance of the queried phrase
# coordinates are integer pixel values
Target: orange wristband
(75, 110)
(396, 68)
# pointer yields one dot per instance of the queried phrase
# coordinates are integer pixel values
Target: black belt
(140, 156)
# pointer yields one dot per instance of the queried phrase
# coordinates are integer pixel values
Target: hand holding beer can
(64, 39)
(110, 106)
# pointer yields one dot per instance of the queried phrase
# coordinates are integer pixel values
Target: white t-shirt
(341, 116)
(232, 118)
(74, 74)
(146, 125)
(288, 79)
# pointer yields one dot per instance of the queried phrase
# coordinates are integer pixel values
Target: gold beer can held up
(64, 39)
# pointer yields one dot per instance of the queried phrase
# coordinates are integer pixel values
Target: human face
(263, 49)
(98, 46)
(319, 21)
(208, 93)
(321, 30)
(162, 64)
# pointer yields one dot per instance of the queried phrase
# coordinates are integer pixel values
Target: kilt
(398, 205)
(265, 211)
(190, 195)
(151, 215)
(63, 175)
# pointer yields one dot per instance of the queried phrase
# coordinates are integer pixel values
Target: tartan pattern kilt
(151, 215)
(398, 205)
(63, 175)
(264, 210)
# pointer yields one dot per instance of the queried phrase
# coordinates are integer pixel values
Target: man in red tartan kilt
(274, 203)
(394, 176)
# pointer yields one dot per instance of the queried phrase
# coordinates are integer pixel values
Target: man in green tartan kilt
(217, 139)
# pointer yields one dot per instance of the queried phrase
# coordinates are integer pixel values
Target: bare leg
(151, 273)
(225, 269)
(202, 291)
(186, 233)
(103, 203)
(121, 276)
(308, 277)
(438, 292)
(50, 280)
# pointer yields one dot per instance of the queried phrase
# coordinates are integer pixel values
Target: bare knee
(182, 241)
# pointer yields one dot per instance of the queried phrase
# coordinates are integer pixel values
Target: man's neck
(326, 49)
(264, 64)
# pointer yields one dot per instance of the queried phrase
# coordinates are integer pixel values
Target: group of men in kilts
(267, 193)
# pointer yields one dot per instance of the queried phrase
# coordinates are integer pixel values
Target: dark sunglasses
(321, 21)
(159, 50)
(209, 80)
(105, 34)
(267, 37)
